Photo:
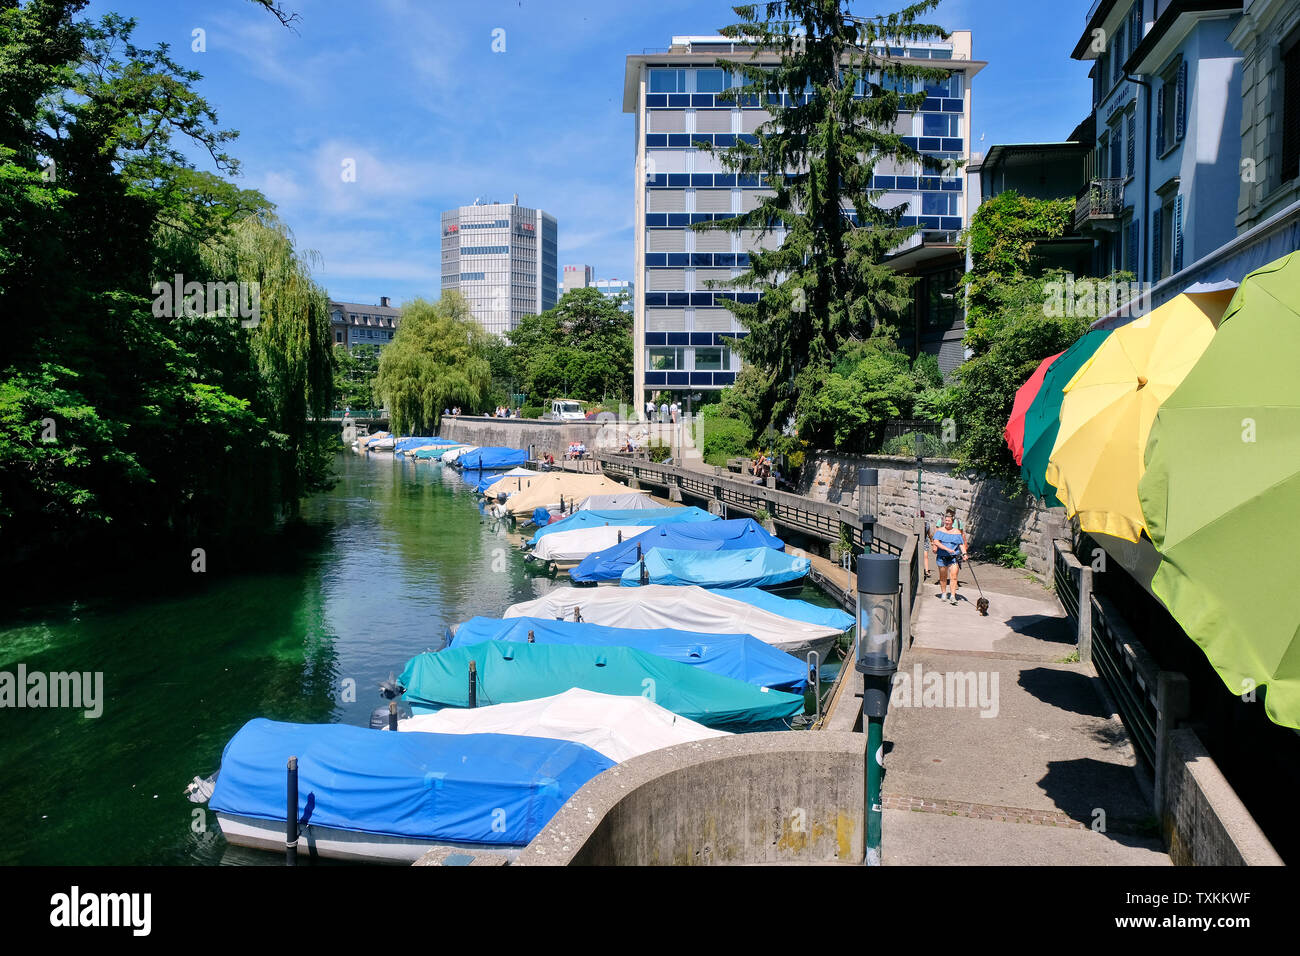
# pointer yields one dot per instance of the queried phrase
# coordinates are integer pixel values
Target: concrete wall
(1204, 822)
(750, 798)
(988, 515)
(543, 436)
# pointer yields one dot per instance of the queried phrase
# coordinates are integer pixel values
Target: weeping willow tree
(438, 358)
(290, 341)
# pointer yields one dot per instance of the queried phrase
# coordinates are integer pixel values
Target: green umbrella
(1043, 419)
(1222, 488)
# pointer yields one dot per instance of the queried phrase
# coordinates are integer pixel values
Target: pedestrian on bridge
(949, 546)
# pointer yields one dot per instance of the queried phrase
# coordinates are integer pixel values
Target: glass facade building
(504, 259)
(683, 278)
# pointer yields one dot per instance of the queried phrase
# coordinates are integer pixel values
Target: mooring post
(291, 815)
(815, 679)
(473, 684)
(532, 638)
(392, 715)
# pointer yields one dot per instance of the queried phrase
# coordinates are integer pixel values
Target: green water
(400, 551)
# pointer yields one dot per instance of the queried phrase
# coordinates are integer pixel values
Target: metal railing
(1101, 199)
(1131, 675)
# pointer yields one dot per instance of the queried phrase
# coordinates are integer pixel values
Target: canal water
(395, 552)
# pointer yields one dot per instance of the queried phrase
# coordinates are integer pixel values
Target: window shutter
(1160, 118)
(1132, 140)
(1180, 120)
(1133, 247)
(1178, 233)
(1135, 27)
(1155, 246)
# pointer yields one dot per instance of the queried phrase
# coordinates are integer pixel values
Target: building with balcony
(352, 323)
(682, 329)
(502, 257)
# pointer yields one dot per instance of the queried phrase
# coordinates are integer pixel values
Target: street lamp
(880, 644)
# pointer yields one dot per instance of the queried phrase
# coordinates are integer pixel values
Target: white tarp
(618, 727)
(577, 544)
(450, 456)
(684, 607)
(627, 501)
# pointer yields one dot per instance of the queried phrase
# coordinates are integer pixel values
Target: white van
(566, 410)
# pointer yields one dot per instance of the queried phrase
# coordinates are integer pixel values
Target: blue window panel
(884, 182)
(678, 378)
(678, 298)
(748, 101)
(653, 259)
(656, 378)
(704, 100)
(701, 338)
(702, 298)
(935, 204)
(930, 143)
(739, 335)
(656, 298)
(701, 259)
(907, 220)
(701, 378)
(679, 260)
(748, 296)
(679, 101)
(653, 219)
(932, 104)
(724, 180)
(657, 181)
(933, 183)
(750, 138)
(937, 124)
(954, 106)
(909, 141)
(653, 140)
(952, 222)
(656, 100)
(952, 185)
(931, 222)
(679, 140)
(679, 179)
(679, 338)
(701, 180)
(724, 139)
(742, 260)
(905, 182)
(724, 259)
(724, 378)
(656, 338)
(747, 181)
(952, 144)
(679, 218)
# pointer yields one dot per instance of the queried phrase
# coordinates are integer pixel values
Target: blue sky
(412, 91)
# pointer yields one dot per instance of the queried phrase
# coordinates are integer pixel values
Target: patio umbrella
(1025, 394)
(1222, 485)
(1042, 419)
(1108, 407)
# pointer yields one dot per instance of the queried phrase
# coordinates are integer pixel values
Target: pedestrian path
(1000, 751)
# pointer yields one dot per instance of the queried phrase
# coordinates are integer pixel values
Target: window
(938, 204)
(671, 359)
(667, 81)
(1117, 55)
(710, 81)
(1171, 108)
(712, 359)
(484, 250)
(1116, 151)
(1131, 143)
(1290, 167)
(338, 336)
(943, 299)
(940, 124)
(1167, 234)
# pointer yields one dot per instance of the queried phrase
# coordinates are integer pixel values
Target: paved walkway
(997, 751)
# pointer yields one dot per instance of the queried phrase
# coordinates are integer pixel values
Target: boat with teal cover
(644, 517)
(748, 568)
(436, 453)
(509, 671)
(738, 534)
(740, 656)
(792, 608)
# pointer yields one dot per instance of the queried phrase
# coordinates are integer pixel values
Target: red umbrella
(1015, 430)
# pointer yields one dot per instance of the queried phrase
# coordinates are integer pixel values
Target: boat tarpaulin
(547, 490)
(747, 568)
(577, 544)
(541, 517)
(516, 479)
(618, 727)
(642, 517)
(687, 608)
(791, 607)
(509, 672)
(491, 457)
(436, 452)
(623, 501)
(425, 786)
(739, 656)
(734, 535)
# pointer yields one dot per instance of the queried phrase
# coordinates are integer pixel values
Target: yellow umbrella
(1110, 403)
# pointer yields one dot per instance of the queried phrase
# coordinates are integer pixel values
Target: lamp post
(880, 644)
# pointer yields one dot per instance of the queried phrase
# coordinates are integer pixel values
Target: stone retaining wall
(982, 505)
(539, 436)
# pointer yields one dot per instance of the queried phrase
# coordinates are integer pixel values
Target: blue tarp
(790, 607)
(540, 517)
(512, 672)
(402, 444)
(644, 517)
(736, 534)
(750, 568)
(739, 656)
(429, 786)
(492, 457)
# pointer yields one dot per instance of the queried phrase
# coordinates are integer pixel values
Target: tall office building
(577, 277)
(681, 327)
(502, 257)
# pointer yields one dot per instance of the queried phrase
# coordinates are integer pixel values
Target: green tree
(437, 359)
(834, 98)
(582, 348)
(355, 369)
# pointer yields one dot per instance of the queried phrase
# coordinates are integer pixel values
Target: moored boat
(747, 568)
(736, 534)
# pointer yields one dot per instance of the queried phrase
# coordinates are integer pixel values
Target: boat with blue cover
(492, 457)
(508, 671)
(372, 796)
(642, 517)
(748, 568)
(739, 656)
(735, 535)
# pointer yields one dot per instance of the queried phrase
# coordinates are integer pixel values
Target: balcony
(1101, 203)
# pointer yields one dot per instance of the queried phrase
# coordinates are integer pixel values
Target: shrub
(1006, 553)
(659, 451)
(724, 438)
(533, 411)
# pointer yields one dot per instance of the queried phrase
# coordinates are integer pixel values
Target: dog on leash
(982, 605)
